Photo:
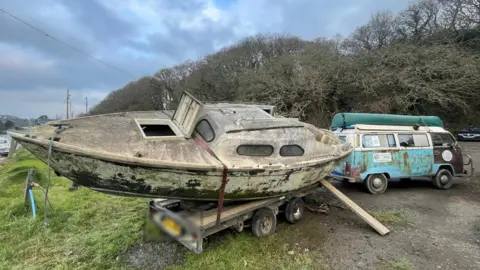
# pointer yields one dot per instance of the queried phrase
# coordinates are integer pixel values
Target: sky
(138, 38)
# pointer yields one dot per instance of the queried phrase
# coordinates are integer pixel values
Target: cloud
(38, 101)
(17, 61)
(141, 37)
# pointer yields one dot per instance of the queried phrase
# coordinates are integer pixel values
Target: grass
(402, 264)
(389, 217)
(86, 229)
(242, 251)
(90, 230)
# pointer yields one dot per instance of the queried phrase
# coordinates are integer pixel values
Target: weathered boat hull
(111, 177)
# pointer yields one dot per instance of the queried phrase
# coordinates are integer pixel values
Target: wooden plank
(382, 230)
(228, 212)
(13, 148)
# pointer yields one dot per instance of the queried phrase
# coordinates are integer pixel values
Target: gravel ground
(153, 255)
(440, 229)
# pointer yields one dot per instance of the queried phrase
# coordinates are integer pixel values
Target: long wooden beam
(382, 230)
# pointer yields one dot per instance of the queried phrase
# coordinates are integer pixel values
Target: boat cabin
(241, 135)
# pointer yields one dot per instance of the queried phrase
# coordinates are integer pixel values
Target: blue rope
(32, 202)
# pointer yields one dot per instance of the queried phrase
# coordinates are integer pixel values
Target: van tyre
(376, 183)
(294, 210)
(264, 222)
(443, 179)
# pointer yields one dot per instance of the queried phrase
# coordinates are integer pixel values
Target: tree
(423, 60)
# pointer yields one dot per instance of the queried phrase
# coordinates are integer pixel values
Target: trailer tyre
(376, 183)
(294, 210)
(264, 222)
(443, 179)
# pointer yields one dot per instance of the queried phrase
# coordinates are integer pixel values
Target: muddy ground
(437, 229)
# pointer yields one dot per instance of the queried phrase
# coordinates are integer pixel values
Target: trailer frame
(190, 225)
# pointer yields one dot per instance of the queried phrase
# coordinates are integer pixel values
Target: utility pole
(71, 110)
(68, 104)
(86, 105)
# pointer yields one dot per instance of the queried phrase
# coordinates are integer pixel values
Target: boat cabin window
(291, 150)
(343, 138)
(442, 139)
(205, 130)
(413, 140)
(255, 150)
(378, 140)
(157, 130)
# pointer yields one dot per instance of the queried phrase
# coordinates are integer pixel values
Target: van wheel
(443, 179)
(376, 183)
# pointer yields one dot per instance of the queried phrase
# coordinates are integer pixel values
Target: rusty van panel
(397, 163)
(451, 156)
(446, 151)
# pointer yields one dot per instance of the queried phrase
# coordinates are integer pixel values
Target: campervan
(398, 147)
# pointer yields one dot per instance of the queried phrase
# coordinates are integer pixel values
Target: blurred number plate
(171, 226)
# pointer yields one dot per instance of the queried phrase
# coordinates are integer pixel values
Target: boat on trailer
(199, 152)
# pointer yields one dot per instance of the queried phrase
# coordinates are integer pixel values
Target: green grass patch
(388, 217)
(90, 230)
(86, 229)
(402, 264)
(244, 251)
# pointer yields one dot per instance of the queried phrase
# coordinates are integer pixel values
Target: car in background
(4, 145)
(469, 134)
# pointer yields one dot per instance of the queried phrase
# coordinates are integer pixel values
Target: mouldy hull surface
(182, 154)
(142, 181)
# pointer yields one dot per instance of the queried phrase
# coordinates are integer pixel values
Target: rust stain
(405, 160)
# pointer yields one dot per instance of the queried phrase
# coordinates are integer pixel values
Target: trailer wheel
(264, 222)
(443, 179)
(294, 210)
(376, 183)
(239, 226)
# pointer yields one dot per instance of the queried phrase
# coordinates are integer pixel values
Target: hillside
(424, 60)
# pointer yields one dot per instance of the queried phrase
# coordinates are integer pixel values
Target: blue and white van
(383, 152)
(4, 145)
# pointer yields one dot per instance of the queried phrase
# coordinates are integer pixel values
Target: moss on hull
(121, 179)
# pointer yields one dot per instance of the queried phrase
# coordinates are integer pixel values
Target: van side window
(378, 140)
(447, 138)
(413, 140)
(442, 139)
(343, 138)
(437, 139)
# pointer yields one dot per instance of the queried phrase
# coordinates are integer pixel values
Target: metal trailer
(190, 222)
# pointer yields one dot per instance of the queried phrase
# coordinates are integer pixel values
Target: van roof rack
(343, 120)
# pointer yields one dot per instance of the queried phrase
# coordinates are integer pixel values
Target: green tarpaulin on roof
(347, 119)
